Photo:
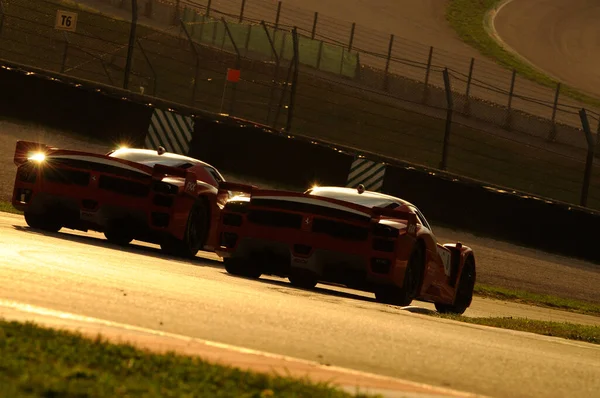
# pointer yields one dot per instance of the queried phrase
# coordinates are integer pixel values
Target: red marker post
(233, 76)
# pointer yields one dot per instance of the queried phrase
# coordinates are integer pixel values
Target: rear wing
(410, 217)
(226, 186)
(26, 149)
(191, 180)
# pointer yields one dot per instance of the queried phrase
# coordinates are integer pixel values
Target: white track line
(490, 27)
(434, 391)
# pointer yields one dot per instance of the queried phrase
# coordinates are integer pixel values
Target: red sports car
(352, 237)
(149, 195)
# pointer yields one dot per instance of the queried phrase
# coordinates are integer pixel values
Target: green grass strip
(468, 18)
(7, 207)
(571, 331)
(540, 300)
(45, 362)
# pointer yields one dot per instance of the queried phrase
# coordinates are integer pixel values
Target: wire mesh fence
(356, 86)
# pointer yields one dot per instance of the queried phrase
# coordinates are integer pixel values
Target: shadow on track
(130, 248)
(282, 285)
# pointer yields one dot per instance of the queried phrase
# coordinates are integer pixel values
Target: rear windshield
(149, 159)
(363, 200)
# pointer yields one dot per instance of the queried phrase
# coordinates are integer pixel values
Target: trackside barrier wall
(170, 130)
(36, 96)
(249, 149)
(252, 150)
(451, 200)
(366, 172)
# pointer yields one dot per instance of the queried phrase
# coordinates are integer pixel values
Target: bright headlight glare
(38, 157)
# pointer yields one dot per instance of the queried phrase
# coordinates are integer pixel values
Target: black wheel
(242, 267)
(118, 236)
(464, 292)
(43, 221)
(302, 278)
(195, 234)
(413, 276)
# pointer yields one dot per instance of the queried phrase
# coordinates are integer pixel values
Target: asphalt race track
(83, 274)
(558, 36)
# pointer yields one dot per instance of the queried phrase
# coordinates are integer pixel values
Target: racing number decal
(411, 227)
(446, 257)
(190, 186)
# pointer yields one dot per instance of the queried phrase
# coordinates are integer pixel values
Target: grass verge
(467, 17)
(7, 207)
(571, 331)
(45, 362)
(540, 300)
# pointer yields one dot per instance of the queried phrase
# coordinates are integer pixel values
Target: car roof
(167, 155)
(354, 192)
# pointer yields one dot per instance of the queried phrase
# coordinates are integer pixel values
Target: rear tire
(403, 296)
(464, 291)
(302, 278)
(195, 234)
(242, 267)
(43, 221)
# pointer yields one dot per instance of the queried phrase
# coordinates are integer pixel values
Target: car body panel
(328, 227)
(153, 195)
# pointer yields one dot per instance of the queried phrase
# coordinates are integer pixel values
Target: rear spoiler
(25, 149)
(236, 187)
(410, 217)
(191, 181)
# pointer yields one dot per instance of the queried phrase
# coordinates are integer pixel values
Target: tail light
(26, 150)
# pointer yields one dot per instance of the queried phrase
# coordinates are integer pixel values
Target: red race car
(352, 237)
(149, 195)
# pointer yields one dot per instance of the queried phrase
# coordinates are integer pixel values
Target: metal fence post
(511, 93)
(134, 17)
(319, 55)
(352, 31)
(552, 135)
(294, 87)
(387, 63)
(195, 51)
(450, 106)
(275, 73)
(590, 157)
(66, 51)
(427, 72)
(468, 90)
(194, 23)
(314, 28)
(155, 77)
(242, 11)
(284, 91)
(237, 64)
(247, 45)
(2, 12)
(177, 15)
(282, 49)
(277, 16)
